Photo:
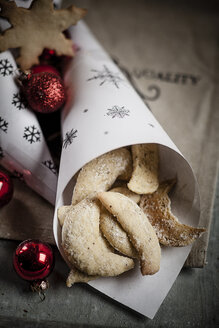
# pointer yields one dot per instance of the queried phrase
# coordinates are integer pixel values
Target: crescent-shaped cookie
(83, 246)
(128, 193)
(115, 234)
(140, 231)
(144, 178)
(169, 230)
(62, 212)
(112, 229)
(100, 174)
(76, 276)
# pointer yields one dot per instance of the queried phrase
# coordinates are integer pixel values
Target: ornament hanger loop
(40, 287)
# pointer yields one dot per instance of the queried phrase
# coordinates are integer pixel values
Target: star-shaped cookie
(36, 28)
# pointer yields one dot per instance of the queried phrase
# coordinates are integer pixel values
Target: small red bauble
(6, 189)
(50, 58)
(48, 55)
(45, 92)
(33, 260)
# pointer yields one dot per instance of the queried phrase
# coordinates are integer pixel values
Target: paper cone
(104, 113)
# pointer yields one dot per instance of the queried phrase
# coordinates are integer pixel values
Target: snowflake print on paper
(31, 134)
(5, 67)
(3, 125)
(69, 137)
(19, 101)
(50, 165)
(106, 76)
(117, 111)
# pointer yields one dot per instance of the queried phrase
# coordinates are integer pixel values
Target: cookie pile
(120, 212)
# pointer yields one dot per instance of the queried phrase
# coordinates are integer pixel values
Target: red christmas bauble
(44, 68)
(6, 189)
(33, 260)
(48, 55)
(45, 92)
(50, 58)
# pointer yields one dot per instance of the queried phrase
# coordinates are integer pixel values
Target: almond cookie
(100, 174)
(76, 276)
(144, 178)
(128, 193)
(112, 229)
(83, 246)
(62, 212)
(140, 231)
(169, 230)
(115, 234)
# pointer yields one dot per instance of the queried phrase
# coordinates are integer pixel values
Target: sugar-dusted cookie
(115, 234)
(169, 230)
(37, 28)
(140, 231)
(83, 246)
(128, 193)
(144, 178)
(62, 212)
(100, 173)
(112, 229)
(76, 276)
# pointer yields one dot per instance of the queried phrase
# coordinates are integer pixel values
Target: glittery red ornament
(6, 189)
(44, 68)
(45, 92)
(33, 260)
